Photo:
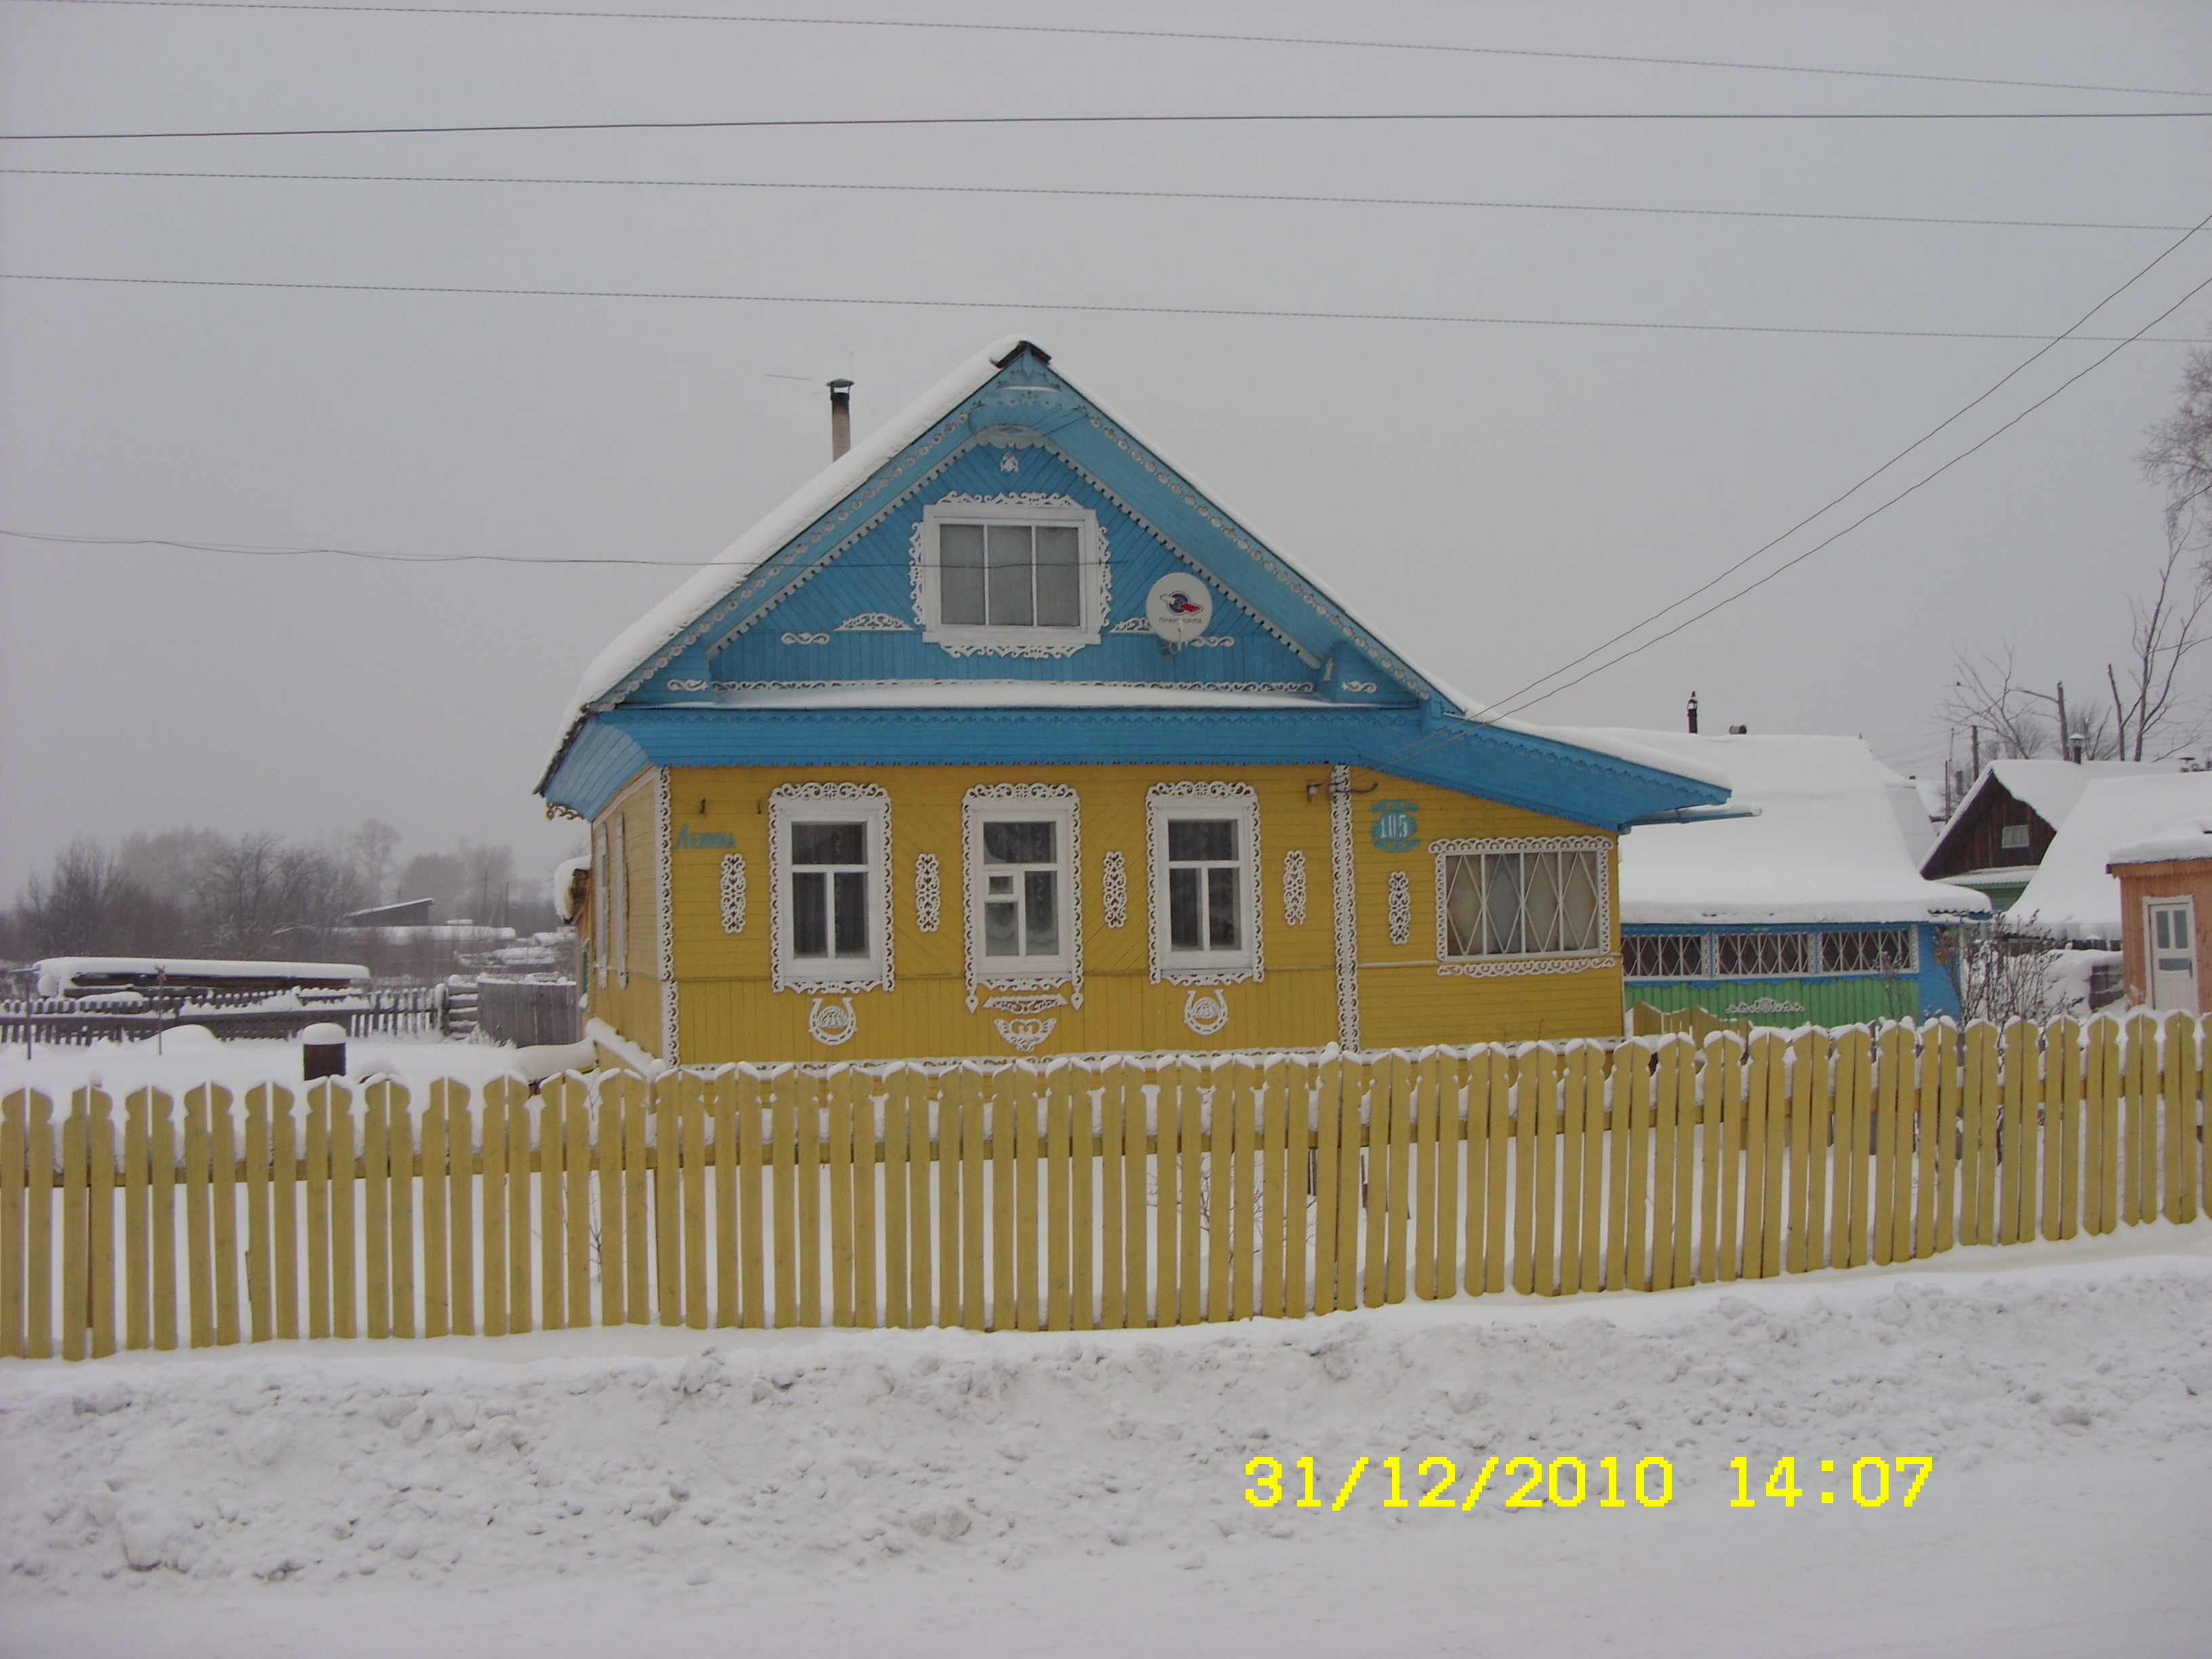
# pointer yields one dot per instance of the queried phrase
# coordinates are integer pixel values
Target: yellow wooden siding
(634, 1008)
(729, 1011)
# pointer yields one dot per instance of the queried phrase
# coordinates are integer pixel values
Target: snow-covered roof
(64, 972)
(1830, 843)
(2191, 839)
(721, 575)
(2049, 787)
(2073, 892)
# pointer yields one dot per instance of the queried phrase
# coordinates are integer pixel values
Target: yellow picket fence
(1157, 1191)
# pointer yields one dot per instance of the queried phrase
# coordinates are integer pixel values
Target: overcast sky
(1495, 497)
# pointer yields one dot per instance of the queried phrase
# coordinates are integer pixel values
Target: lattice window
(1867, 950)
(1547, 899)
(1663, 956)
(1763, 956)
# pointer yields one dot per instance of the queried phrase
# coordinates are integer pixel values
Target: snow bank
(767, 1456)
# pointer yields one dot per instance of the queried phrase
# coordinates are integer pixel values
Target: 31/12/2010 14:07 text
(1565, 1482)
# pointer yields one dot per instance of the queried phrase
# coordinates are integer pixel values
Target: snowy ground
(942, 1493)
(180, 1060)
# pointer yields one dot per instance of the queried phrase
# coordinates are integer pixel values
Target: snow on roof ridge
(2191, 838)
(636, 645)
(2072, 891)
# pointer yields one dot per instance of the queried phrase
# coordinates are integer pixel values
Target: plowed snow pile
(771, 1463)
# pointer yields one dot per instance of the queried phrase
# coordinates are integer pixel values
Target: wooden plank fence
(1148, 1190)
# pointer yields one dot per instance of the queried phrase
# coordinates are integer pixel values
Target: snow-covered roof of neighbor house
(1830, 843)
(65, 972)
(2191, 839)
(722, 575)
(2050, 787)
(2072, 894)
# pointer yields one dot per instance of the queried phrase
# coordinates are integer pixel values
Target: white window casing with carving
(1527, 905)
(622, 900)
(1009, 575)
(602, 907)
(829, 889)
(1202, 853)
(1022, 877)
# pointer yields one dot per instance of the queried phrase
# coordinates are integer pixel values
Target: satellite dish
(1179, 608)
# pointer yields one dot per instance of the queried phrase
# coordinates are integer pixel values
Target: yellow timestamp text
(1565, 1483)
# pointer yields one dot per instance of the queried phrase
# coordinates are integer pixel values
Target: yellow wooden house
(1002, 738)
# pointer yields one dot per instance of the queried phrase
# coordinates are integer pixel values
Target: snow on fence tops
(2073, 894)
(1830, 843)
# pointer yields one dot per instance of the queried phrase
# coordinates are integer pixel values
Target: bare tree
(372, 847)
(2004, 973)
(2155, 720)
(1988, 695)
(87, 906)
(2180, 454)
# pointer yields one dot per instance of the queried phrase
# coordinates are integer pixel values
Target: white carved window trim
(1294, 887)
(1556, 962)
(928, 893)
(622, 899)
(1021, 801)
(967, 638)
(1194, 799)
(868, 803)
(602, 907)
(733, 892)
(1402, 907)
(1114, 889)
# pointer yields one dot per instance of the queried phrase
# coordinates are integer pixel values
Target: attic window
(1016, 577)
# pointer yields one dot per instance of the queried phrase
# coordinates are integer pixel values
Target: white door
(2173, 937)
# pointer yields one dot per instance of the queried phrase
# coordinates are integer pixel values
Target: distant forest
(198, 892)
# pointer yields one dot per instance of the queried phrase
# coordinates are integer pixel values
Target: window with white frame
(1663, 956)
(1204, 841)
(1020, 574)
(829, 886)
(1507, 899)
(1023, 924)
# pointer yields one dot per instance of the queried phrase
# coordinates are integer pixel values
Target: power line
(1115, 195)
(1323, 117)
(1947, 421)
(1148, 35)
(1065, 306)
(1872, 512)
(250, 551)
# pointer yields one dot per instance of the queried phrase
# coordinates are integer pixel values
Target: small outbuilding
(1812, 912)
(1997, 838)
(2166, 907)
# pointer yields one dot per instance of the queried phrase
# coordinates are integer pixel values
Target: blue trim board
(1516, 768)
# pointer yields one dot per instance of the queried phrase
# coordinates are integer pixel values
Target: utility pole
(2065, 734)
(1975, 733)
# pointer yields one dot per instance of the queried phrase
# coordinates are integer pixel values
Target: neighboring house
(2005, 825)
(2166, 913)
(2075, 896)
(1002, 738)
(1811, 913)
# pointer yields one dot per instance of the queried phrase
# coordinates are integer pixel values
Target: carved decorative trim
(1213, 641)
(1292, 687)
(780, 800)
(994, 795)
(1137, 624)
(689, 685)
(874, 622)
(832, 1023)
(1345, 904)
(1043, 1002)
(806, 639)
(1500, 967)
(733, 892)
(928, 893)
(1205, 1011)
(664, 895)
(1114, 879)
(1101, 597)
(1025, 1034)
(1156, 852)
(1402, 907)
(1294, 887)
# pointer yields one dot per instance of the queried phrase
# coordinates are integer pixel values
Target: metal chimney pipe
(1693, 713)
(841, 418)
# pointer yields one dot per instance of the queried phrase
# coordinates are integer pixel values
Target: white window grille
(1868, 951)
(1023, 852)
(1507, 899)
(1763, 956)
(1204, 843)
(829, 887)
(1018, 575)
(1663, 956)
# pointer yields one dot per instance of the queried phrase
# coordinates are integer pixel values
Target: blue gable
(829, 600)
